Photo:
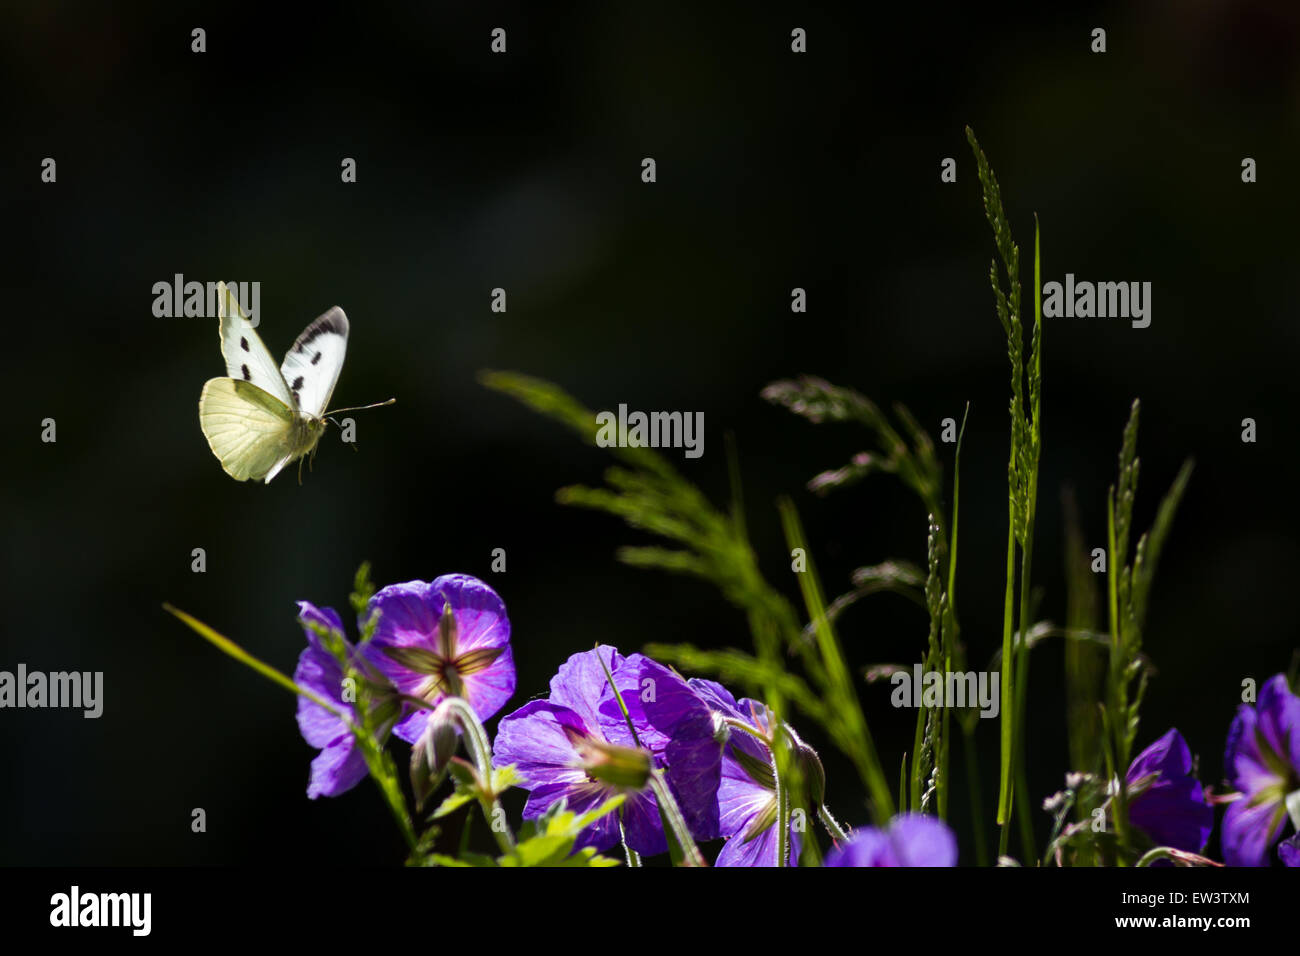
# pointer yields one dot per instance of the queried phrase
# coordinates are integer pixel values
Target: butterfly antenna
(360, 408)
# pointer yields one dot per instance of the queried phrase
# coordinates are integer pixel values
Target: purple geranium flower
(448, 637)
(680, 730)
(911, 840)
(1263, 762)
(339, 766)
(576, 745)
(746, 795)
(1166, 802)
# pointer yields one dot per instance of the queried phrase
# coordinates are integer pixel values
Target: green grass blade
(229, 647)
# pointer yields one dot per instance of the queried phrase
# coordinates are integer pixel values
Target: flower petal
(760, 851)
(319, 671)
(715, 695)
(533, 738)
(1169, 756)
(408, 612)
(1171, 810)
(868, 847)
(641, 820)
(913, 839)
(488, 690)
(921, 840)
(337, 768)
(1279, 721)
(740, 799)
(1248, 831)
(1243, 762)
(580, 683)
(1289, 851)
(480, 613)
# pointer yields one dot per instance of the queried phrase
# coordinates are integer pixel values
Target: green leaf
(468, 789)
(454, 801)
(549, 840)
(1152, 543)
(545, 849)
(838, 689)
(503, 778)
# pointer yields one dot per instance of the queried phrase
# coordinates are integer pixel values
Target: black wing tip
(333, 322)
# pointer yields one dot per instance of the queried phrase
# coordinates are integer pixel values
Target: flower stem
(672, 814)
(832, 825)
(1020, 760)
(633, 857)
(1116, 719)
(1152, 856)
(782, 812)
(618, 696)
(476, 740)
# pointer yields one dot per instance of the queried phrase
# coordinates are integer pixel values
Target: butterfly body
(260, 418)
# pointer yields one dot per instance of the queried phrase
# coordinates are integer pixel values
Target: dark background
(523, 171)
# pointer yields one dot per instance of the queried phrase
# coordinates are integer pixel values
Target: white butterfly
(262, 418)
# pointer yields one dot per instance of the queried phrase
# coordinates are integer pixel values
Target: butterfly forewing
(311, 368)
(247, 359)
(250, 431)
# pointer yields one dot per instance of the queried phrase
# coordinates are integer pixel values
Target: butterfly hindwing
(251, 432)
(247, 359)
(311, 368)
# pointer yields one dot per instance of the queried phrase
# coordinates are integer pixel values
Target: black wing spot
(243, 343)
(297, 383)
(248, 377)
(316, 359)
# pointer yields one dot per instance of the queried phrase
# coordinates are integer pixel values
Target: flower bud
(432, 753)
(611, 763)
(811, 765)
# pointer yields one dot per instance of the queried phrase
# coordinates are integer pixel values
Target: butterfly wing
(247, 359)
(311, 368)
(251, 432)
